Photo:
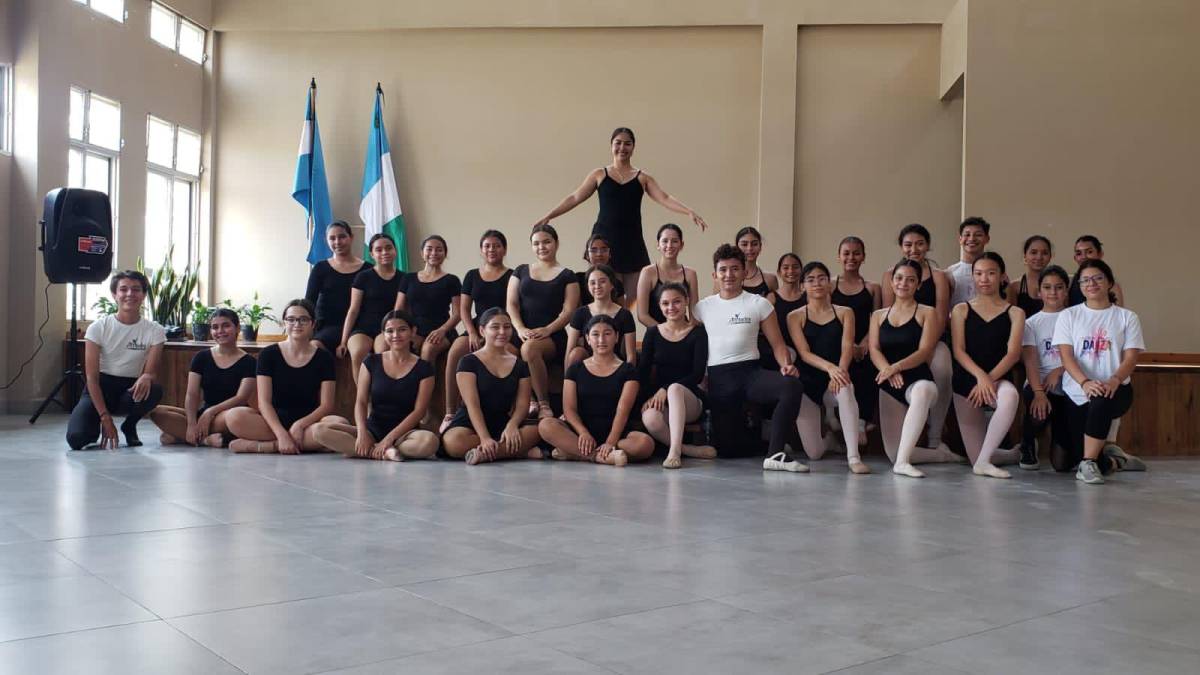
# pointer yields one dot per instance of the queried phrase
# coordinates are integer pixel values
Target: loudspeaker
(76, 236)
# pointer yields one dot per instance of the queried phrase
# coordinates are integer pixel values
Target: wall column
(777, 134)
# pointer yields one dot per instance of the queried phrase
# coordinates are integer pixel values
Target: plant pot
(201, 332)
(175, 333)
(250, 333)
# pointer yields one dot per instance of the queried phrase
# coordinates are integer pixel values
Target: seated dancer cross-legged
(600, 280)
(986, 332)
(219, 379)
(599, 394)
(295, 391)
(902, 341)
(732, 321)
(671, 368)
(394, 389)
(487, 426)
(824, 336)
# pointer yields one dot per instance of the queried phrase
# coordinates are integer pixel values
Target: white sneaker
(781, 461)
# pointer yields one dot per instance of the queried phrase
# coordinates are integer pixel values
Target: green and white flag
(380, 206)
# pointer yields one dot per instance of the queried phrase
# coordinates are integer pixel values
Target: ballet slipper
(616, 458)
(907, 470)
(858, 468)
(989, 470)
(214, 441)
(699, 451)
(445, 423)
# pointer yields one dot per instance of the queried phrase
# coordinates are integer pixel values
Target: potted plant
(252, 315)
(170, 295)
(105, 306)
(201, 315)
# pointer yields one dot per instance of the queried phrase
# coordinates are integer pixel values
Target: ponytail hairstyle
(547, 228)
(379, 236)
(1037, 237)
(749, 229)
(669, 226)
(793, 256)
(600, 319)
(990, 255)
(603, 269)
(1091, 239)
(436, 237)
(1054, 271)
(814, 265)
(227, 313)
(398, 315)
(905, 262)
(492, 234)
(341, 224)
(854, 240)
(492, 313)
(914, 228)
(623, 130)
(303, 304)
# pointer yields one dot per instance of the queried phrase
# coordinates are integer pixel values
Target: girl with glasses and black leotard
(598, 252)
(668, 270)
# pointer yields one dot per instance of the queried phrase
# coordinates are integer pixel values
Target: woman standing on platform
(394, 389)
(986, 332)
(541, 299)
(851, 290)
(670, 370)
(599, 394)
(487, 426)
(483, 288)
(1024, 293)
(597, 252)
(1100, 343)
(1046, 403)
(329, 284)
(295, 391)
(668, 270)
(219, 379)
(902, 341)
(372, 295)
(933, 290)
(823, 334)
(429, 297)
(620, 186)
(600, 280)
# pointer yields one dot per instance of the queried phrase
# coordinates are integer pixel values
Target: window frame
(124, 11)
(85, 147)
(172, 174)
(7, 101)
(177, 21)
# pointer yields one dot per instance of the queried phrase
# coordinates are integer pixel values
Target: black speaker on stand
(76, 249)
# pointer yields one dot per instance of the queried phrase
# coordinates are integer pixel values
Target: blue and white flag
(310, 188)
(380, 205)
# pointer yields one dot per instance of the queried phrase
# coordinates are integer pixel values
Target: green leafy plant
(201, 313)
(170, 296)
(254, 313)
(105, 306)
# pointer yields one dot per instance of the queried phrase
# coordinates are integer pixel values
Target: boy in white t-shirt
(121, 356)
(732, 319)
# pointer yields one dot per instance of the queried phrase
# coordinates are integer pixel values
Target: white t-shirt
(1039, 332)
(123, 347)
(963, 288)
(732, 326)
(1099, 337)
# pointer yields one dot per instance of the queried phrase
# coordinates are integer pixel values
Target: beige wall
(489, 128)
(1081, 118)
(876, 149)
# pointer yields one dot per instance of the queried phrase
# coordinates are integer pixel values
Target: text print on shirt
(738, 319)
(136, 346)
(1096, 345)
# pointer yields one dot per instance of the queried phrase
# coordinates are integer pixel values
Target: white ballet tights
(940, 364)
(900, 427)
(809, 423)
(981, 436)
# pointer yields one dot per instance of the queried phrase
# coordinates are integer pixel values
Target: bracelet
(1039, 391)
(105, 414)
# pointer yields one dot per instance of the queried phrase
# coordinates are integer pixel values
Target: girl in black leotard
(757, 281)
(601, 279)
(394, 389)
(599, 394)
(987, 344)
(790, 294)
(495, 394)
(295, 391)
(902, 339)
(1088, 247)
(597, 251)
(430, 296)
(824, 337)
(541, 299)
(372, 295)
(219, 379)
(1037, 252)
(329, 284)
(483, 288)
(851, 290)
(621, 187)
(668, 270)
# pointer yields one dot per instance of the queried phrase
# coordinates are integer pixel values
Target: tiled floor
(165, 560)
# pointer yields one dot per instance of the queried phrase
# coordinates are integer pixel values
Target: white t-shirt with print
(1039, 332)
(732, 326)
(1099, 337)
(123, 347)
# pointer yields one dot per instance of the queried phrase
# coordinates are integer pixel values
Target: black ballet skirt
(620, 222)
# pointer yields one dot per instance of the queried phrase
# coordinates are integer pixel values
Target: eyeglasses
(1095, 279)
(297, 320)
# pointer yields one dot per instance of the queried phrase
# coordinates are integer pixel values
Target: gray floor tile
(63, 604)
(150, 648)
(507, 656)
(901, 664)
(80, 519)
(35, 560)
(1154, 613)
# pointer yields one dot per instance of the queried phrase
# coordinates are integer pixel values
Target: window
(6, 104)
(172, 189)
(176, 33)
(94, 131)
(113, 9)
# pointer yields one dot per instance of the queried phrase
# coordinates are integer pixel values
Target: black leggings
(1058, 419)
(732, 385)
(84, 425)
(1094, 419)
(866, 392)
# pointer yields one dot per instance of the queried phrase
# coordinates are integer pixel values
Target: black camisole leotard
(898, 342)
(620, 221)
(986, 344)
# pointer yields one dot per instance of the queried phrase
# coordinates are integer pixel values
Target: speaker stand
(72, 378)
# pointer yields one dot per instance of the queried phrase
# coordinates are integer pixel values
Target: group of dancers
(778, 346)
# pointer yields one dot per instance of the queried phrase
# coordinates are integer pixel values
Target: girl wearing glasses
(597, 251)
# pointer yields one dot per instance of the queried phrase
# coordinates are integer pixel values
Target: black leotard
(1030, 304)
(898, 342)
(485, 294)
(620, 222)
(219, 384)
(986, 342)
(782, 309)
(861, 303)
(429, 302)
(585, 296)
(379, 298)
(1075, 292)
(329, 290)
(597, 397)
(295, 392)
(496, 394)
(926, 293)
(763, 289)
(825, 340)
(392, 399)
(663, 362)
(542, 301)
(656, 293)
(623, 318)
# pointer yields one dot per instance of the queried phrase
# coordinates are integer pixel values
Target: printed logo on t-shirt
(1049, 351)
(136, 346)
(1096, 345)
(737, 319)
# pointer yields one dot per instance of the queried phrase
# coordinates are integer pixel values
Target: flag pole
(310, 225)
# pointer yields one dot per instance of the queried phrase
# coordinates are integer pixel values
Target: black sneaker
(1029, 457)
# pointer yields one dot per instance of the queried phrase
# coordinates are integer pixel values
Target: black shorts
(329, 336)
